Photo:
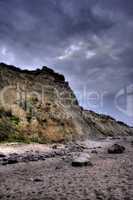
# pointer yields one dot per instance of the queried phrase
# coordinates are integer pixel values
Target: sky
(89, 41)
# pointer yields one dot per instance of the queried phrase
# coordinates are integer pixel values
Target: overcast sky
(89, 41)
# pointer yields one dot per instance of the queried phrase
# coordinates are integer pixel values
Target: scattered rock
(2, 155)
(4, 161)
(76, 147)
(57, 167)
(114, 138)
(83, 159)
(31, 156)
(116, 149)
(12, 161)
(54, 146)
(13, 155)
(94, 151)
(37, 180)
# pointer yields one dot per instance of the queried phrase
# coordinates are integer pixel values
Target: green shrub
(6, 129)
(15, 120)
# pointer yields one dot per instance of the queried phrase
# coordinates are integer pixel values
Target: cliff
(39, 106)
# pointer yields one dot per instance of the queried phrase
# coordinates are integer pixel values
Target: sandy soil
(22, 148)
(110, 177)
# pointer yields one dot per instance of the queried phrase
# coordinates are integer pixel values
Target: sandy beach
(110, 177)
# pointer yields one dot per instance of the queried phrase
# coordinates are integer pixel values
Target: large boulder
(116, 149)
(82, 159)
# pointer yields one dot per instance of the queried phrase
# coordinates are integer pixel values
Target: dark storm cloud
(90, 41)
(42, 27)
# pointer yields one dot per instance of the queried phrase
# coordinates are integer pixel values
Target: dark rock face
(116, 149)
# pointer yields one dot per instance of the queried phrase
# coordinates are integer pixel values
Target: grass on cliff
(9, 131)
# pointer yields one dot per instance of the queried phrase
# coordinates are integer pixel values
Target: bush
(15, 120)
(6, 129)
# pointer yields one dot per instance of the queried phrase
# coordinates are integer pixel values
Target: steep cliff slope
(39, 106)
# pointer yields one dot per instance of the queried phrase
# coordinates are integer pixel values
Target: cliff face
(104, 125)
(39, 106)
